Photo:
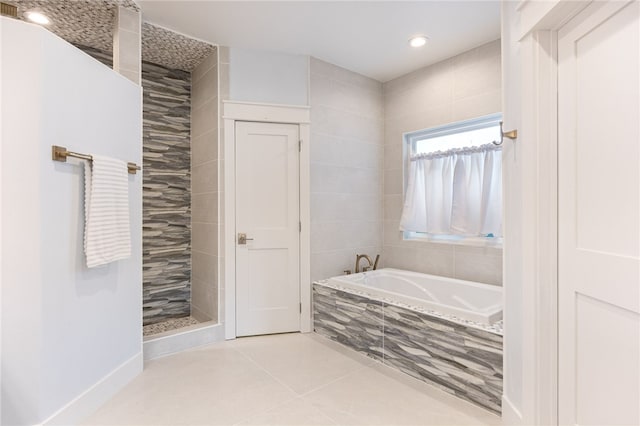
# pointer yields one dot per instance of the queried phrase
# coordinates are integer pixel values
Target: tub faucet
(372, 264)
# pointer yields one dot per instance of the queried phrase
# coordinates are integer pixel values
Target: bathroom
(185, 295)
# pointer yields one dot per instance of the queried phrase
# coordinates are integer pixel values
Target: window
(453, 183)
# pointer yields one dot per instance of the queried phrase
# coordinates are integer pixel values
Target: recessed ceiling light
(37, 17)
(418, 41)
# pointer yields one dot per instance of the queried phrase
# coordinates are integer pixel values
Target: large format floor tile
(292, 379)
(301, 364)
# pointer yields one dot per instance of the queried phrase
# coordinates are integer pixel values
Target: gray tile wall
(223, 94)
(166, 240)
(105, 57)
(204, 201)
(460, 360)
(466, 86)
(346, 168)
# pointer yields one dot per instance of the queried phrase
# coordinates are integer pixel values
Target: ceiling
(172, 50)
(89, 23)
(368, 37)
(84, 22)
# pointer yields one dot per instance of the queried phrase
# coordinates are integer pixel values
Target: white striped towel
(107, 235)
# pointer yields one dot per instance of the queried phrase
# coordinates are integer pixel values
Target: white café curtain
(455, 192)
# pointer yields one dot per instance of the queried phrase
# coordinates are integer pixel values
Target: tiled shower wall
(204, 201)
(105, 57)
(346, 168)
(459, 88)
(166, 241)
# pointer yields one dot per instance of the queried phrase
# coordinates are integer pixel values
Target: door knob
(242, 238)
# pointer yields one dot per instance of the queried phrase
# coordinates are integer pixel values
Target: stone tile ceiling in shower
(83, 22)
(90, 23)
(172, 50)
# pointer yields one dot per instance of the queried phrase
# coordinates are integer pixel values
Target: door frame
(265, 113)
(538, 148)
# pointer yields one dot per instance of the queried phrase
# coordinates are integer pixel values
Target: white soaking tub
(471, 301)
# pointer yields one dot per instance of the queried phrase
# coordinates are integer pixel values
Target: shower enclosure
(180, 197)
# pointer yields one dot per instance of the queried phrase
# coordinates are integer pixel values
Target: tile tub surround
(466, 86)
(462, 360)
(346, 168)
(166, 195)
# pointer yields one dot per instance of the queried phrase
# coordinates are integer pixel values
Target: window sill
(458, 241)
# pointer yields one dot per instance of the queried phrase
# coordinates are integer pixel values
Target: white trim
(538, 144)
(456, 240)
(546, 322)
(547, 15)
(182, 340)
(267, 113)
(90, 400)
(510, 414)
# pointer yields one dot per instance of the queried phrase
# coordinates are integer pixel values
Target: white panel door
(599, 216)
(267, 212)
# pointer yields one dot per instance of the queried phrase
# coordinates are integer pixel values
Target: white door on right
(599, 216)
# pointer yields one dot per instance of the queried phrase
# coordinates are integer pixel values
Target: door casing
(537, 147)
(266, 113)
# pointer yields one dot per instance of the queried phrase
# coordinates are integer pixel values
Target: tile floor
(288, 379)
(168, 325)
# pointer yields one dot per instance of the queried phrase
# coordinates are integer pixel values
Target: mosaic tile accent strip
(85, 22)
(461, 360)
(172, 50)
(496, 327)
(166, 218)
(169, 325)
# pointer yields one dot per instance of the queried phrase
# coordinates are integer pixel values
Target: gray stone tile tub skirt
(462, 360)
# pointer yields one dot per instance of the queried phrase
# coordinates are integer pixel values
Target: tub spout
(359, 257)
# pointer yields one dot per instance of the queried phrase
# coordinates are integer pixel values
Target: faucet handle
(366, 268)
(375, 264)
(347, 271)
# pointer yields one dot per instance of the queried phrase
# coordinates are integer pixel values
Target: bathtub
(475, 302)
(443, 331)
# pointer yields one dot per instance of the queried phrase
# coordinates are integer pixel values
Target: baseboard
(90, 400)
(182, 340)
(510, 414)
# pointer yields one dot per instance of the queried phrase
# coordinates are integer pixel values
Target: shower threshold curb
(179, 340)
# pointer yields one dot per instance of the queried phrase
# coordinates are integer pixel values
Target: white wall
(64, 327)
(346, 168)
(268, 77)
(463, 87)
(1, 127)
(512, 164)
